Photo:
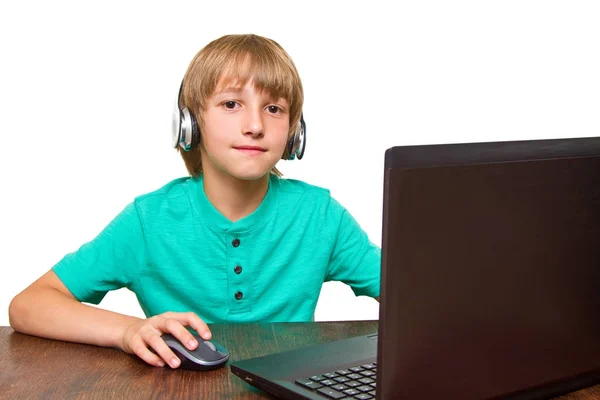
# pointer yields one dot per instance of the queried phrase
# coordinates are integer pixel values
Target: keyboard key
(328, 382)
(354, 376)
(339, 387)
(374, 384)
(351, 392)
(352, 383)
(317, 378)
(356, 369)
(330, 375)
(363, 396)
(369, 366)
(332, 394)
(307, 383)
(366, 381)
(364, 388)
(342, 372)
(367, 373)
(341, 379)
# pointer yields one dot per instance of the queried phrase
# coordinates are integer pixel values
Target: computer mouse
(208, 355)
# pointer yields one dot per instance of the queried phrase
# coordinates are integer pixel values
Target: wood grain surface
(35, 368)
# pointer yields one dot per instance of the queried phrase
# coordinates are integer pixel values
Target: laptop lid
(490, 270)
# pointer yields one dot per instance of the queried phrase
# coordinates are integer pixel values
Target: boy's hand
(145, 334)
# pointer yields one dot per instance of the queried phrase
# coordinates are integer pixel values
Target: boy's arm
(48, 309)
(354, 260)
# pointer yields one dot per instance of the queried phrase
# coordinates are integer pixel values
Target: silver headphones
(186, 132)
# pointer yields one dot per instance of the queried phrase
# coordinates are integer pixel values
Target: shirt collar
(218, 222)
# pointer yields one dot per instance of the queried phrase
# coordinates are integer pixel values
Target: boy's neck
(234, 198)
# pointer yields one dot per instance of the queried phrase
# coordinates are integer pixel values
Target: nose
(254, 124)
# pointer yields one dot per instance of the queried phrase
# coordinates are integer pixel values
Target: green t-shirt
(177, 252)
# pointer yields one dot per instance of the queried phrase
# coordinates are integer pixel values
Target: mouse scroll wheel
(212, 346)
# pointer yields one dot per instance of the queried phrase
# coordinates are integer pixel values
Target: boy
(231, 243)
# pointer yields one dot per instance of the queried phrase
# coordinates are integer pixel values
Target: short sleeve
(110, 261)
(354, 260)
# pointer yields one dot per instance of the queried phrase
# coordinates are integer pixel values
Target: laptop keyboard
(351, 383)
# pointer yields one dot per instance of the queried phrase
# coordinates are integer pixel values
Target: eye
(273, 109)
(230, 105)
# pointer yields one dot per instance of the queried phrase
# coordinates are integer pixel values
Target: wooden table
(34, 368)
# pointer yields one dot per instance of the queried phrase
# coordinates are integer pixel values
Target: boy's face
(244, 131)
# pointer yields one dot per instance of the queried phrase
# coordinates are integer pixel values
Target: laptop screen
(490, 269)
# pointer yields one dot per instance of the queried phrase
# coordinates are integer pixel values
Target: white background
(86, 95)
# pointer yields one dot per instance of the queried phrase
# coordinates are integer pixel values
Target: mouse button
(206, 353)
(220, 348)
(167, 337)
(212, 346)
(171, 341)
(176, 347)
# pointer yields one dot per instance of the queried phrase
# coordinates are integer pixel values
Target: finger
(139, 349)
(199, 325)
(191, 319)
(175, 328)
(160, 347)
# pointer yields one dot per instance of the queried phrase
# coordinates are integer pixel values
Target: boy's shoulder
(294, 187)
(173, 191)
(318, 198)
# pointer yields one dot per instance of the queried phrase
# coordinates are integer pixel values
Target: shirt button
(235, 242)
(237, 269)
(239, 295)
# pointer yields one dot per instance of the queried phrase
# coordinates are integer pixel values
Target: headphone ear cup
(185, 131)
(195, 131)
(289, 155)
(190, 134)
(297, 142)
(301, 138)
(176, 127)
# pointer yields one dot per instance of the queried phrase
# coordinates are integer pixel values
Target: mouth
(250, 150)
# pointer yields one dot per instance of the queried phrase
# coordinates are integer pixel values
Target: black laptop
(490, 283)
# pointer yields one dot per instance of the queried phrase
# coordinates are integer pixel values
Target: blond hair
(238, 59)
